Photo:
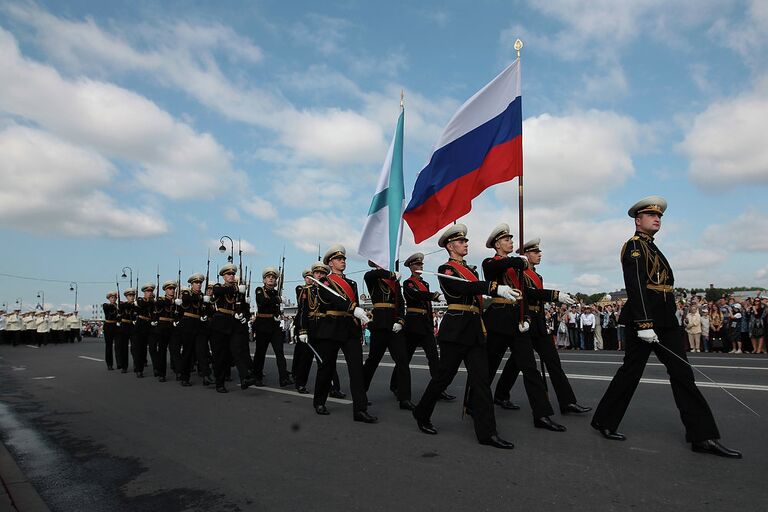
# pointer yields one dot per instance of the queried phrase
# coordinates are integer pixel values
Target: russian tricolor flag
(481, 146)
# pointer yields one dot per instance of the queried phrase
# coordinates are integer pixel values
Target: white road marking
(18, 368)
(44, 378)
(91, 358)
(296, 393)
(33, 346)
(727, 385)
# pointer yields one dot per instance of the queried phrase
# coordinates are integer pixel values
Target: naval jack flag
(383, 230)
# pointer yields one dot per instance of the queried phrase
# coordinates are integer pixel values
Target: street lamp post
(20, 303)
(130, 271)
(41, 293)
(223, 248)
(73, 287)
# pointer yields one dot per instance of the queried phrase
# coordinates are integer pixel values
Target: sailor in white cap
(160, 338)
(419, 326)
(110, 329)
(128, 314)
(267, 330)
(649, 315)
(536, 298)
(338, 328)
(229, 329)
(142, 329)
(462, 338)
(191, 333)
(508, 328)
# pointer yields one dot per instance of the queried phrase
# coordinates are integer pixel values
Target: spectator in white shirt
(587, 324)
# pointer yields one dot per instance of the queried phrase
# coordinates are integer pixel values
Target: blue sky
(133, 134)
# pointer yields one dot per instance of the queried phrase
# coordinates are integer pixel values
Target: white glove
(206, 298)
(241, 288)
(397, 327)
(203, 318)
(153, 324)
(176, 323)
(303, 338)
(397, 276)
(737, 316)
(361, 315)
(118, 324)
(177, 302)
(439, 297)
(648, 336)
(284, 301)
(243, 320)
(506, 292)
(238, 316)
(566, 299)
(524, 326)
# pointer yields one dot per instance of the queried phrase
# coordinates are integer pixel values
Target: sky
(136, 134)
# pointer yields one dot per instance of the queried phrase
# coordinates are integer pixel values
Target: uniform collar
(644, 236)
(461, 262)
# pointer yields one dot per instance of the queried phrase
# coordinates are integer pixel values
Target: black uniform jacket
(128, 314)
(649, 282)
(268, 306)
(191, 311)
(502, 316)
(535, 297)
(335, 321)
(462, 322)
(227, 302)
(111, 313)
(387, 299)
(418, 315)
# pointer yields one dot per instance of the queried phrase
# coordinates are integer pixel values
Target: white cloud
(589, 280)
(762, 274)
(52, 187)
(748, 232)
(321, 228)
(574, 160)
(726, 143)
(172, 159)
(746, 36)
(324, 34)
(248, 248)
(258, 207)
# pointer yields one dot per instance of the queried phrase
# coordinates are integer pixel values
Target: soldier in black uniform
(143, 329)
(385, 328)
(305, 325)
(338, 327)
(192, 310)
(535, 298)
(111, 318)
(229, 328)
(163, 330)
(649, 315)
(462, 338)
(419, 328)
(506, 328)
(267, 330)
(128, 314)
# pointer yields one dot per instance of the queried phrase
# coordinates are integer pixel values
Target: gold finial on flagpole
(402, 99)
(518, 46)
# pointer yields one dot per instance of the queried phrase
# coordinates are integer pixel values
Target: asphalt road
(95, 440)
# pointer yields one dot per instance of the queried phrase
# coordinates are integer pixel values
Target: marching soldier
(338, 328)
(30, 328)
(111, 329)
(3, 320)
(74, 326)
(267, 330)
(649, 315)
(42, 327)
(461, 338)
(229, 328)
(507, 330)
(191, 332)
(307, 316)
(13, 327)
(535, 297)
(385, 328)
(128, 315)
(143, 329)
(163, 330)
(419, 329)
(56, 334)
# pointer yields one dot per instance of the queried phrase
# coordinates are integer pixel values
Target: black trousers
(573, 337)
(124, 340)
(110, 331)
(188, 342)
(548, 353)
(264, 339)
(610, 341)
(139, 346)
(589, 338)
(475, 360)
(41, 338)
(353, 354)
(382, 340)
(302, 365)
(694, 411)
(159, 341)
(202, 355)
(428, 343)
(230, 347)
